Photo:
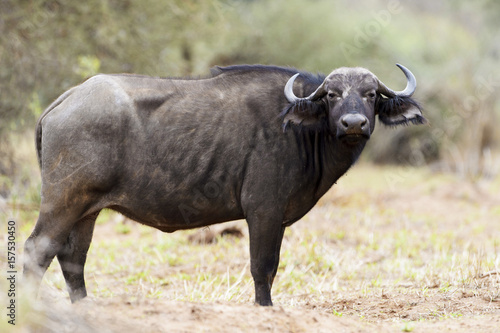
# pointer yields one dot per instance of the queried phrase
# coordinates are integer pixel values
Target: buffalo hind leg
(46, 240)
(265, 243)
(73, 254)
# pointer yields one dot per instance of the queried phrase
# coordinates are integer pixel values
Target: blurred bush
(451, 46)
(47, 46)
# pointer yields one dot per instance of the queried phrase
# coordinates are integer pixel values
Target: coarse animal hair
(391, 111)
(305, 114)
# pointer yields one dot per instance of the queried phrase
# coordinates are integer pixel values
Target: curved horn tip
(407, 72)
(290, 80)
(290, 96)
(293, 77)
(401, 66)
(404, 69)
(411, 81)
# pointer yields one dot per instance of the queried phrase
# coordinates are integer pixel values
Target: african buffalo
(185, 153)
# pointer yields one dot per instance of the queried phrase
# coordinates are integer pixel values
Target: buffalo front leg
(73, 254)
(278, 250)
(265, 243)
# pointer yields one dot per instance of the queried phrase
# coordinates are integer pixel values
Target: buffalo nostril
(344, 122)
(353, 122)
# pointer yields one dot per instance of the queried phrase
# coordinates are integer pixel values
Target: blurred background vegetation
(453, 47)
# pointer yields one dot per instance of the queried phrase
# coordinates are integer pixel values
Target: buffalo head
(347, 102)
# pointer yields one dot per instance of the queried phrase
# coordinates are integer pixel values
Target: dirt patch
(122, 315)
(418, 255)
(210, 235)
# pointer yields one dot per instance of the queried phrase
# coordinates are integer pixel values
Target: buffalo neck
(325, 158)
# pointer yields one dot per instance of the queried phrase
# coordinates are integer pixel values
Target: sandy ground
(395, 308)
(123, 315)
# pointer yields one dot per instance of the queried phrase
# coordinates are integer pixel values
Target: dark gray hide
(184, 153)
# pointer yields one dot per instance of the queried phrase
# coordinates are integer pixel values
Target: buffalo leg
(265, 243)
(43, 244)
(278, 249)
(73, 254)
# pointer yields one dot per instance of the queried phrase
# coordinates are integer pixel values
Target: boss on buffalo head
(347, 102)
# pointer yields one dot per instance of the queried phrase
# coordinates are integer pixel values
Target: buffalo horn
(290, 96)
(411, 85)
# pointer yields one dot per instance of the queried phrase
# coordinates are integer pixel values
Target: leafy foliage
(47, 46)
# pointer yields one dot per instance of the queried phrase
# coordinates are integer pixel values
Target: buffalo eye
(371, 95)
(333, 95)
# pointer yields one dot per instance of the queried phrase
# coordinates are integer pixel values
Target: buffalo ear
(399, 111)
(304, 113)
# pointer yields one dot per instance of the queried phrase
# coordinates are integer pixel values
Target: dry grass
(386, 244)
